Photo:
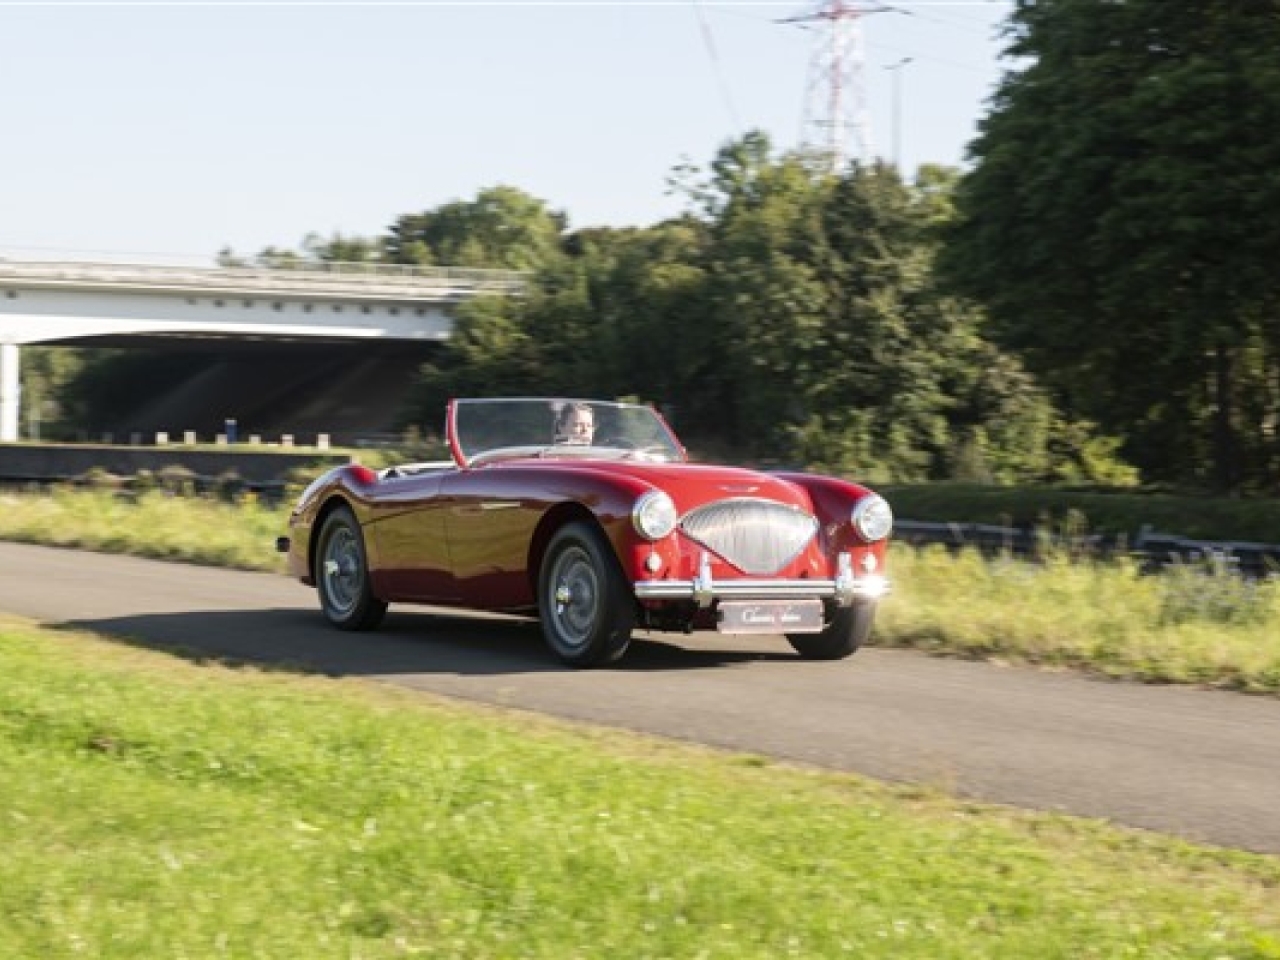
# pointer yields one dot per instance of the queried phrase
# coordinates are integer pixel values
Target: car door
(412, 550)
(490, 521)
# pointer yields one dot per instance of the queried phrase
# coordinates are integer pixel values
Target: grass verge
(154, 808)
(1198, 625)
(155, 524)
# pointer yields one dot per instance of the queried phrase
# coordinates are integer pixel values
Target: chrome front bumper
(845, 589)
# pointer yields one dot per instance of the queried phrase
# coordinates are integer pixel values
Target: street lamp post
(896, 70)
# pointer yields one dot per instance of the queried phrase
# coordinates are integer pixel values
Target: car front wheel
(845, 632)
(342, 574)
(585, 606)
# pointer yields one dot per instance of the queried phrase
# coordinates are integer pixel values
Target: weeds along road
(1201, 764)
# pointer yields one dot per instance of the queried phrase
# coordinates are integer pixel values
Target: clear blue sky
(170, 130)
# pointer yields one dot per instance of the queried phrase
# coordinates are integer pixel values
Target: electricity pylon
(835, 99)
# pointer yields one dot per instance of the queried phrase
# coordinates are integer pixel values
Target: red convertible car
(589, 516)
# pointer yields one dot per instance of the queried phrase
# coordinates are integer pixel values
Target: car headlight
(872, 518)
(654, 515)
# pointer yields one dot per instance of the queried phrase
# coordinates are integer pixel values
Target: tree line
(789, 316)
(1093, 299)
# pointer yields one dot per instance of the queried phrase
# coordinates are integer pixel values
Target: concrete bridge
(104, 303)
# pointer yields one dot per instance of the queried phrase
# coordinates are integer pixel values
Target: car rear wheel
(586, 608)
(847, 630)
(342, 574)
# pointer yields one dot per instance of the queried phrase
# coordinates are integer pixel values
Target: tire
(342, 574)
(584, 603)
(848, 629)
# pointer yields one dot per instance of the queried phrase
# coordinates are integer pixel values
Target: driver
(575, 425)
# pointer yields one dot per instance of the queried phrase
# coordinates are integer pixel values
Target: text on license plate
(770, 616)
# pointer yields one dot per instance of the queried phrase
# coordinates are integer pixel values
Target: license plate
(770, 616)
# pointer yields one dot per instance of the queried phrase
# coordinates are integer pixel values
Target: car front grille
(759, 537)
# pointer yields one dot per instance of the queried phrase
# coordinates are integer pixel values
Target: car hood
(691, 484)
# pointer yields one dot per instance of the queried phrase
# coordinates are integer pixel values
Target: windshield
(484, 430)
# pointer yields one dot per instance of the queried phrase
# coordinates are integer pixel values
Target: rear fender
(341, 487)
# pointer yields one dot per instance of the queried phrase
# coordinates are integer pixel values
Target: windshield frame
(523, 428)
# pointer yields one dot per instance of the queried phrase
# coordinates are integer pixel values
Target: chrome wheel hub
(343, 577)
(575, 591)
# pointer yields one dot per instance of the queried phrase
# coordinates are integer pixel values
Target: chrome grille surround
(759, 537)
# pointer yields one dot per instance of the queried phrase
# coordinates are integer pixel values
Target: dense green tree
(543, 341)
(1122, 220)
(46, 371)
(271, 257)
(502, 228)
(644, 289)
(340, 248)
(278, 258)
(929, 397)
(881, 356)
(765, 300)
(611, 317)
(488, 355)
(790, 316)
(836, 349)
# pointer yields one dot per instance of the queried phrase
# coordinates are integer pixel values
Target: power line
(708, 41)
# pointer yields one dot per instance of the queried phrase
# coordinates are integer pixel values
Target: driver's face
(580, 428)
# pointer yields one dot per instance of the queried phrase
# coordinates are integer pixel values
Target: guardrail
(1152, 548)
(300, 277)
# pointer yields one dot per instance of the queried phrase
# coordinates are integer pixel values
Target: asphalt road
(1201, 764)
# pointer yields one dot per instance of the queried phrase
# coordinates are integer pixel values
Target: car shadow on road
(407, 643)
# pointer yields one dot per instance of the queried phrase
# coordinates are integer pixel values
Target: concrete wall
(46, 462)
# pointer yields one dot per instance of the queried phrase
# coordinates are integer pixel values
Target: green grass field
(152, 807)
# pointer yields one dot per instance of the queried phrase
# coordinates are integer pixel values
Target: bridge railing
(301, 277)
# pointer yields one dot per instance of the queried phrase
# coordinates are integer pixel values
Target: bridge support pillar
(10, 391)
